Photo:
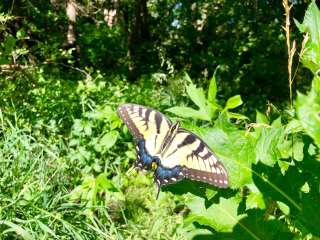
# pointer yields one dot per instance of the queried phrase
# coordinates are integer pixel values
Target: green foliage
(208, 107)
(308, 109)
(310, 26)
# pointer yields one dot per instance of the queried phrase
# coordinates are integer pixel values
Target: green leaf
(233, 102)
(308, 111)
(261, 118)
(254, 198)
(266, 149)
(294, 126)
(186, 112)
(298, 150)
(212, 91)
(9, 44)
(237, 116)
(277, 123)
(109, 139)
(197, 96)
(17, 229)
(283, 207)
(221, 216)
(310, 25)
(46, 229)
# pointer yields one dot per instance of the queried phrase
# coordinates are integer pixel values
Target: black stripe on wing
(124, 115)
(215, 173)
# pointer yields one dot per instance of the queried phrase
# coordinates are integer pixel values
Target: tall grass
(36, 179)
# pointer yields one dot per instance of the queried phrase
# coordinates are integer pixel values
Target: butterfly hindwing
(147, 124)
(198, 162)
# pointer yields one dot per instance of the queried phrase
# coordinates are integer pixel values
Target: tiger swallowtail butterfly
(175, 152)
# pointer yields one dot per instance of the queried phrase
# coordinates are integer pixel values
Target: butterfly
(172, 151)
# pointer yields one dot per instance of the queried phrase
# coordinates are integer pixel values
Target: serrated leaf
(186, 112)
(221, 216)
(197, 96)
(233, 102)
(266, 148)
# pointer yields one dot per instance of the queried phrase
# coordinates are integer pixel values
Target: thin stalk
(291, 48)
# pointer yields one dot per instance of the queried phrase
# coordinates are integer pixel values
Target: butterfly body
(176, 152)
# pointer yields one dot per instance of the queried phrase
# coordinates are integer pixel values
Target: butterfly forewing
(145, 123)
(199, 162)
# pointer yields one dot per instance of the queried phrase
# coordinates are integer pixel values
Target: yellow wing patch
(145, 123)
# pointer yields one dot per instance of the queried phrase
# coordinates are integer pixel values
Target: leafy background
(219, 67)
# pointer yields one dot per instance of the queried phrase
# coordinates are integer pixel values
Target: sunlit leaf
(212, 91)
(186, 112)
(310, 25)
(109, 139)
(308, 111)
(267, 146)
(224, 212)
(233, 102)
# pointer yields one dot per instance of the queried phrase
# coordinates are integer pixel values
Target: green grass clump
(37, 184)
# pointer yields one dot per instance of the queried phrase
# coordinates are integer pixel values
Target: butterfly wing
(198, 162)
(145, 124)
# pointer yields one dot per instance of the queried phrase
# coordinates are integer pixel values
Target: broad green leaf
(310, 214)
(267, 145)
(103, 183)
(102, 113)
(233, 102)
(109, 139)
(220, 216)
(261, 118)
(197, 96)
(310, 25)
(277, 123)
(186, 112)
(294, 126)
(308, 111)
(255, 226)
